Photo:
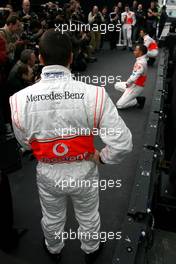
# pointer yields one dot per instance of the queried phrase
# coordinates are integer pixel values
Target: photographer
(162, 21)
(21, 74)
(95, 18)
(32, 36)
(79, 60)
(120, 7)
(114, 19)
(86, 47)
(36, 31)
(105, 15)
(3, 75)
(70, 9)
(50, 14)
(134, 6)
(78, 14)
(26, 15)
(140, 22)
(9, 236)
(10, 33)
(152, 19)
(4, 13)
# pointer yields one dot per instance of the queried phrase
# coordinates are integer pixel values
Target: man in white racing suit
(152, 46)
(47, 118)
(134, 86)
(128, 20)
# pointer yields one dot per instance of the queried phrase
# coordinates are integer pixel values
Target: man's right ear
(41, 60)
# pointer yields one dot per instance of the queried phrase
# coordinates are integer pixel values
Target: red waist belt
(141, 80)
(63, 149)
(129, 20)
(153, 46)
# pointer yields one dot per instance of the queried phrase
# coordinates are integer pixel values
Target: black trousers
(160, 30)
(113, 38)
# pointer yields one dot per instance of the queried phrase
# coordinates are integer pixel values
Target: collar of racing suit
(146, 36)
(143, 57)
(55, 72)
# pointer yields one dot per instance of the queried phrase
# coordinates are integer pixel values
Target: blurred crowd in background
(20, 32)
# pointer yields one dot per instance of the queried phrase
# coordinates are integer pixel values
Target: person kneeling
(134, 86)
(152, 47)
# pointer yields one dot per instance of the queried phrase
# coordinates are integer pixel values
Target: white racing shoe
(116, 85)
(120, 86)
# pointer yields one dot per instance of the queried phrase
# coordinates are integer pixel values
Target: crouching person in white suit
(152, 47)
(133, 88)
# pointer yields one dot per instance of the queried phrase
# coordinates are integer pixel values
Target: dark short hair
(145, 30)
(26, 55)
(22, 69)
(55, 48)
(12, 19)
(143, 48)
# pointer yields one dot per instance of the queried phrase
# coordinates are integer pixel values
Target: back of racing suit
(57, 118)
(134, 85)
(152, 46)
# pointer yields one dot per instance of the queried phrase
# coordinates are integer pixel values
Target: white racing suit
(152, 46)
(47, 118)
(134, 85)
(128, 20)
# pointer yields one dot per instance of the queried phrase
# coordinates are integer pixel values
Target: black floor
(113, 202)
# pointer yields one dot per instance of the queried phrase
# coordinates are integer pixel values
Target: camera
(50, 11)
(4, 13)
(98, 19)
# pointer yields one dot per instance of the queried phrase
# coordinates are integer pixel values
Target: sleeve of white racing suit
(137, 72)
(147, 42)
(91, 18)
(114, 133)
(123, 17)
(134, 19)
(18, 130)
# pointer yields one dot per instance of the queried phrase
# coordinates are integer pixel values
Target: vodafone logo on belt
(60, 150)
